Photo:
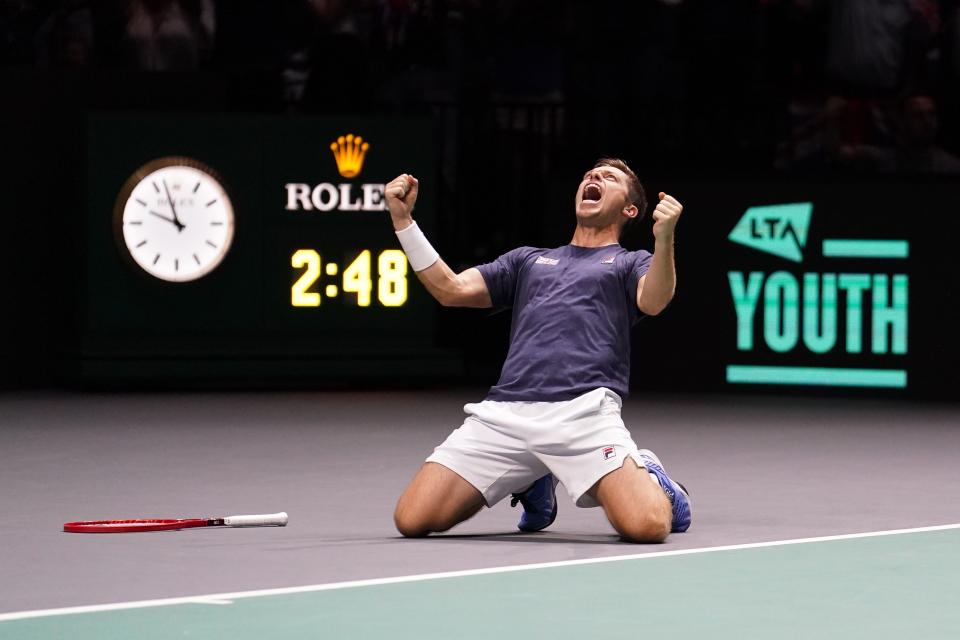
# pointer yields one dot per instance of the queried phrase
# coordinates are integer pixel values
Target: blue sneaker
(677, 493)
(539, 504)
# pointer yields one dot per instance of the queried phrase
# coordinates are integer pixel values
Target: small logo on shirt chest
(545, 260)
(608, 260)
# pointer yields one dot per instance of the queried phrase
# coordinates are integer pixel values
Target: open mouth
(592, 192)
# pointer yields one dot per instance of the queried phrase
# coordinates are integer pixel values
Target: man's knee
(412, 522)
(435, 501)
(408, 523)
(642, 526)
(637, 508)
(410, 517)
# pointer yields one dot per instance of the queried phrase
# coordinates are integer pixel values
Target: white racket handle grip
(262, 520)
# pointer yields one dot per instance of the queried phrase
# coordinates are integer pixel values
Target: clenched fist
(665, 217)
(401, 194)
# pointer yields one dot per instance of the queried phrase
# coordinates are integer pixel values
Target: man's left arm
(656, 287)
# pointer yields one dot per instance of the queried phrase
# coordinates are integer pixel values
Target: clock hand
(167, 218)
(176, 218)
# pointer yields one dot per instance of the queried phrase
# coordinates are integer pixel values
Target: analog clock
(174, 219)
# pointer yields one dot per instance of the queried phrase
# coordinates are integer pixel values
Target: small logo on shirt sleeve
(545, 260)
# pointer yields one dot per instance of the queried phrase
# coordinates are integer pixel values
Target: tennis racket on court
(155, 524)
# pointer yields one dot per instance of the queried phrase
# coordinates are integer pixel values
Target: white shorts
(503, 447)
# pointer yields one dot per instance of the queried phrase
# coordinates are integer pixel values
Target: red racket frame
(133, 526)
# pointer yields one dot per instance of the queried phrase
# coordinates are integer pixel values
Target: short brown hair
(638, 197)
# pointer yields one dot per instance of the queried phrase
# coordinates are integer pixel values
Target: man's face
(602, 196)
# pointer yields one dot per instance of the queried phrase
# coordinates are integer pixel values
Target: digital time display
(357, 279)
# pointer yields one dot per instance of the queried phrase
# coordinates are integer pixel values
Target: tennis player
(555, 412)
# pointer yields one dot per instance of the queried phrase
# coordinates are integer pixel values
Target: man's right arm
(465, 289)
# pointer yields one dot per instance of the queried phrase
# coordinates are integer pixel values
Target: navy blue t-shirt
(573, 308)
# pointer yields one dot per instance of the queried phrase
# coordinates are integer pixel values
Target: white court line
(224, 598)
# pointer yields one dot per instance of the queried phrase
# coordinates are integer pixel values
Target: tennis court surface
(813, 518)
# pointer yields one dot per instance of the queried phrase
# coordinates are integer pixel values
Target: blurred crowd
(869, 80)
(806, 85)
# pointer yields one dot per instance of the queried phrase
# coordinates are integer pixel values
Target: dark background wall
(747, 104)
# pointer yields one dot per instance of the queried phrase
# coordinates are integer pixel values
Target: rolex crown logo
(349, 151)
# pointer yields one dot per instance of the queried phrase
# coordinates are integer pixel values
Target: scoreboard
(253, 246)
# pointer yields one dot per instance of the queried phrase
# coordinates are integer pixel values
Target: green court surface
(886, 585)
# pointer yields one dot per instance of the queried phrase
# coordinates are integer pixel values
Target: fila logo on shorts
(545, 260)
(608, 452)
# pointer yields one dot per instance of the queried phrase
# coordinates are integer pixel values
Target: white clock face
(177, 223)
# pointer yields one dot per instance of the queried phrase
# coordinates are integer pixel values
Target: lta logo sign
(790, 314)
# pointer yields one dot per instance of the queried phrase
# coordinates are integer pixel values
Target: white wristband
(419, 252)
